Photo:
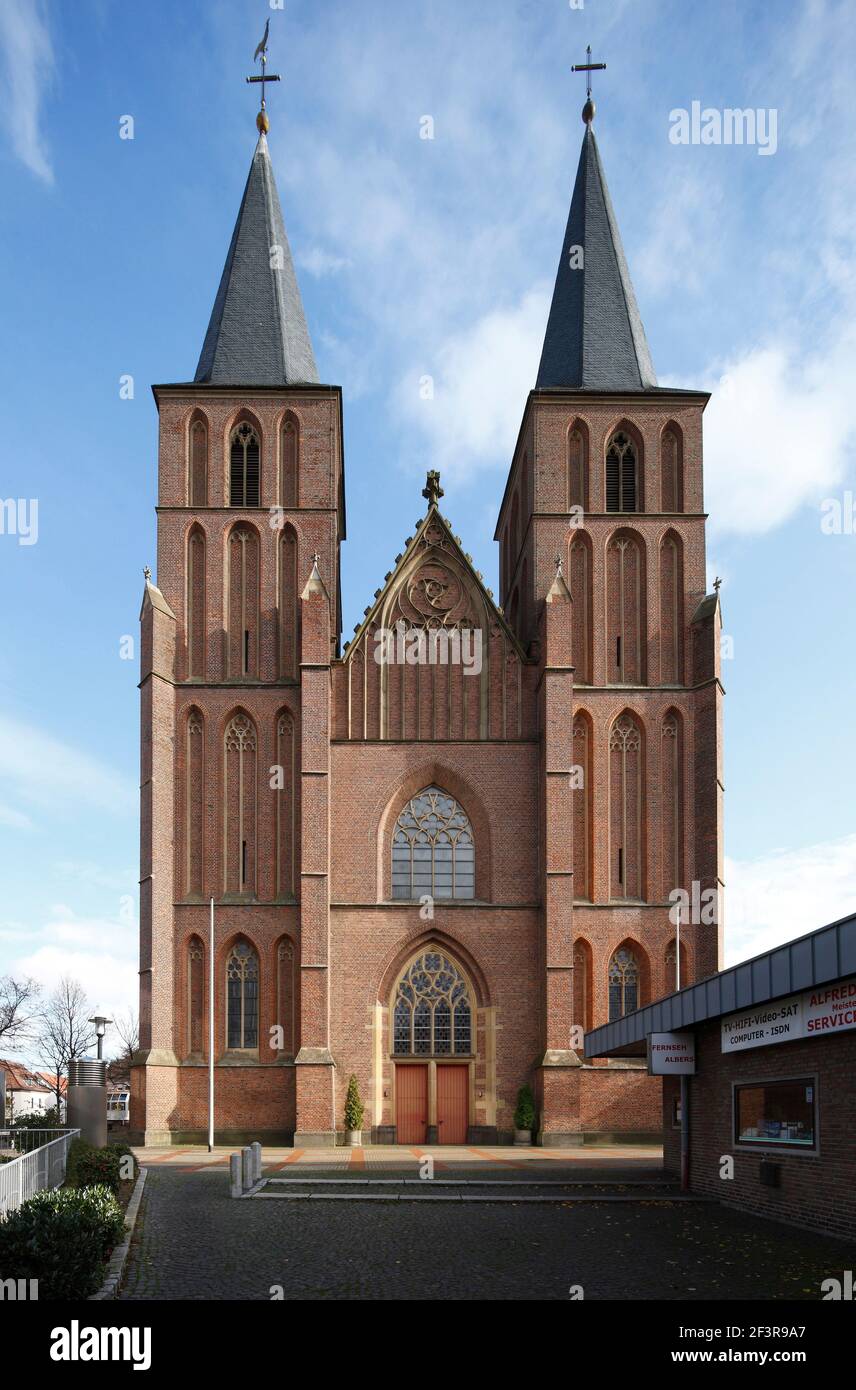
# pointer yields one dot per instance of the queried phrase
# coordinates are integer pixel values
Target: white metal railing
(42, 1167)
(22, 1140)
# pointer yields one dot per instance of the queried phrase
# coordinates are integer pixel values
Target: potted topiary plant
(524, 1116)
(354, 1111)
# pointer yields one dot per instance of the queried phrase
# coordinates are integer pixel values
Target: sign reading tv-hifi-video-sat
(817, 1013)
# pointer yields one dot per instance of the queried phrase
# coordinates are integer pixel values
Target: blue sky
(418, 257)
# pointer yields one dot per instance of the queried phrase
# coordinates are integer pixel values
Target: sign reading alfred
(671, 1054)
(821, 1011)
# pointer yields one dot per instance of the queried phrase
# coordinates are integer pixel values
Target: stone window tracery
(433, 851)
(432, 1013)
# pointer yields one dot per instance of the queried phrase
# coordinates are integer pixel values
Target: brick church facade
(432, 873)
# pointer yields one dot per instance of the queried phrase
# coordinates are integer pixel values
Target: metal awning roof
(823, 955)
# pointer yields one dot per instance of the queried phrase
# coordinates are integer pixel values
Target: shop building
(760, 1108)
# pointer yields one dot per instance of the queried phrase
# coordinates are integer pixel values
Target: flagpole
(211, 1034)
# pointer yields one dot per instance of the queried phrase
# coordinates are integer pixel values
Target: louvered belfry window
(244, 467)
(621, 475)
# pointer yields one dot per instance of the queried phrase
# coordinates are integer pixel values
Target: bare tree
(64, 1029)
(18, 1010)
(128, 1028)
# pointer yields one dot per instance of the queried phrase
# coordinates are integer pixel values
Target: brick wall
(817, 1190)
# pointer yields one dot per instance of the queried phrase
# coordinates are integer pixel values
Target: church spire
(257, 335)
(594, 337)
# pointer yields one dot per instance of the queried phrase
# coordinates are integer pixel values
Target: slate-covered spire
(257, 335)
(594, 337)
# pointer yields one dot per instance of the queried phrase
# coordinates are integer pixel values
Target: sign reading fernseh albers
(671, 1054)
(817, 1013)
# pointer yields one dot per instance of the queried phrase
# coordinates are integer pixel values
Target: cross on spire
(432, 489)
(262, 121)
(588, 67)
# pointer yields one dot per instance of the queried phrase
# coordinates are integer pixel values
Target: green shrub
(354, 1108)
(524, 1115)
(39, 1119)
(63, 1239)
(90, 1167)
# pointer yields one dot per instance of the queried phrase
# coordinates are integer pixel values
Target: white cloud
(99, 952)
(785, 894)
(319, 262)
(777, 432)
(481, 378)
(28, 61)
(47, 773)
(15, 820)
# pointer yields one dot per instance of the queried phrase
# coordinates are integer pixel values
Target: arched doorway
(433, 1047)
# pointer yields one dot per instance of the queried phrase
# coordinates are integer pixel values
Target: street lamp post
(100, 1029)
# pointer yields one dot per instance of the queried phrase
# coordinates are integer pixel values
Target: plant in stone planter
(524, 1116)
(354, 1111)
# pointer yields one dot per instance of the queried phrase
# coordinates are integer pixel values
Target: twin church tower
(431, 876)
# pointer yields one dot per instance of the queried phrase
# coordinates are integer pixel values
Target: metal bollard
(235, 1175)
(257, 1161)
(247, 1168)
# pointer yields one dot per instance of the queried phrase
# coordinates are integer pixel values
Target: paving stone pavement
(193, 1242)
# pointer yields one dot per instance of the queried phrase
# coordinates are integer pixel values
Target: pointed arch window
(244, 463)
(672, 816)
(577, 469)
(242, 998)
(582, 985)
(243, 595)
(433, 850)
(198, 489)
(625, 809)
(195, 996)
(196, 626)
(432, 1013)
(622, 483)
(582, 808)
(285, 995)
(239, 806)
(625, 610)
(671, 472)
(194, 808)
(623, 984)
(289, 454)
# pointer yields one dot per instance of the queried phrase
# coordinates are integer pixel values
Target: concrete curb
(116, 1266)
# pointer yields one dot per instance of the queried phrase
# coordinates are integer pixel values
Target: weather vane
(262, 122)
(589, 67)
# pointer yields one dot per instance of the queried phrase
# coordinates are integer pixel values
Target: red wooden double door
(412, 1116)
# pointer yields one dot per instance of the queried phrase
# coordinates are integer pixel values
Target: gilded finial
(262, 120)
(589, 67)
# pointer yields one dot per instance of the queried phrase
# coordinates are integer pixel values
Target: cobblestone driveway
(193, 1242)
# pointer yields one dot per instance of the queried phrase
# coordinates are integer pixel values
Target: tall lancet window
(243, 594)
(582, 807)
(580, 572)
(194, 804)
(195, 996)
(289, 452)
(239, 806)
(284, 806)
(671, 472)
(196, 624)
(198, 489)
(626, 809)
(671, 611)
(622, 480)
(244, 457)
(242, 998)
(672, 813)
(577, 469)
(288, 605)
(625, 611)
